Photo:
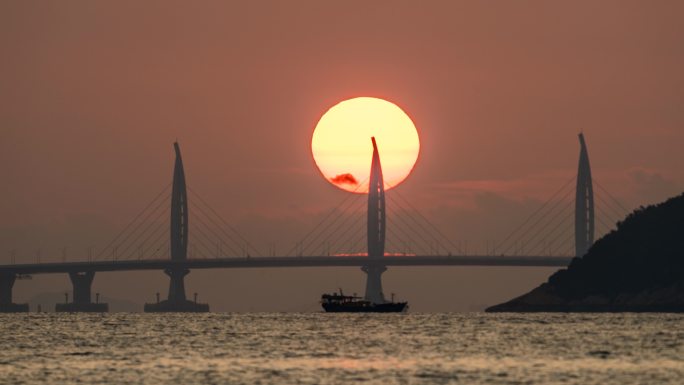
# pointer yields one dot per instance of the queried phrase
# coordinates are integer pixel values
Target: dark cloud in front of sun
(345, 179)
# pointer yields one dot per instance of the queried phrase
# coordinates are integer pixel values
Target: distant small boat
(340, 303)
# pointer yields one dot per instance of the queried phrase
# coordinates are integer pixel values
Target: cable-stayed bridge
(359, 232)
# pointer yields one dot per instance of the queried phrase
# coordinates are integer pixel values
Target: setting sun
(341, 143)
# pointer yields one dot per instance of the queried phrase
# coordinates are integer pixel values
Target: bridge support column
(177, 301)
(374, 291)
(81, 294)
(6, 305)
(81, 283)
(177, 284)
(376, 225)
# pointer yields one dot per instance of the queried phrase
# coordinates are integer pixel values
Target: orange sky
(92, 96)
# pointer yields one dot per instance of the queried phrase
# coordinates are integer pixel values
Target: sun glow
(341, 143)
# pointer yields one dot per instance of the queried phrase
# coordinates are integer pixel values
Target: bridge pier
(6, 305)
(177, 284)
(374, 291)
(177, 301)
(82, 282)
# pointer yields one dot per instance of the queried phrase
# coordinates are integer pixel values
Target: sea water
(319, 348)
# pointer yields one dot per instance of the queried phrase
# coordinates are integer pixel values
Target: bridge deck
(262, 262)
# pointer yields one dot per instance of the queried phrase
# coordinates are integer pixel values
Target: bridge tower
(584, 203)
(376, 229)
(177, 301)
(179, 230)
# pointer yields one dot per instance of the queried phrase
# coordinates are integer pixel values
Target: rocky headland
(639, 267)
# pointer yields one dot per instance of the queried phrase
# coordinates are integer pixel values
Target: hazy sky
(93, 94)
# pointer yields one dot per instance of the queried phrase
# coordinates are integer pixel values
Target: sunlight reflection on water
(317, 348)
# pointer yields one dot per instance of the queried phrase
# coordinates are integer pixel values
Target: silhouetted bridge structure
(308, 261)
(176, 263)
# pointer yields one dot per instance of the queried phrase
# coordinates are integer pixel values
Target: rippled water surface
(319, 348)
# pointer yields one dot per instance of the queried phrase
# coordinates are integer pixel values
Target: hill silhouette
(637, 267)
(47, 301)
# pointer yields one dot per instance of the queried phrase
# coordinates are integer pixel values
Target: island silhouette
(639, 267)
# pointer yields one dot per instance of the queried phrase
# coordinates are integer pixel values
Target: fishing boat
(340, 303)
